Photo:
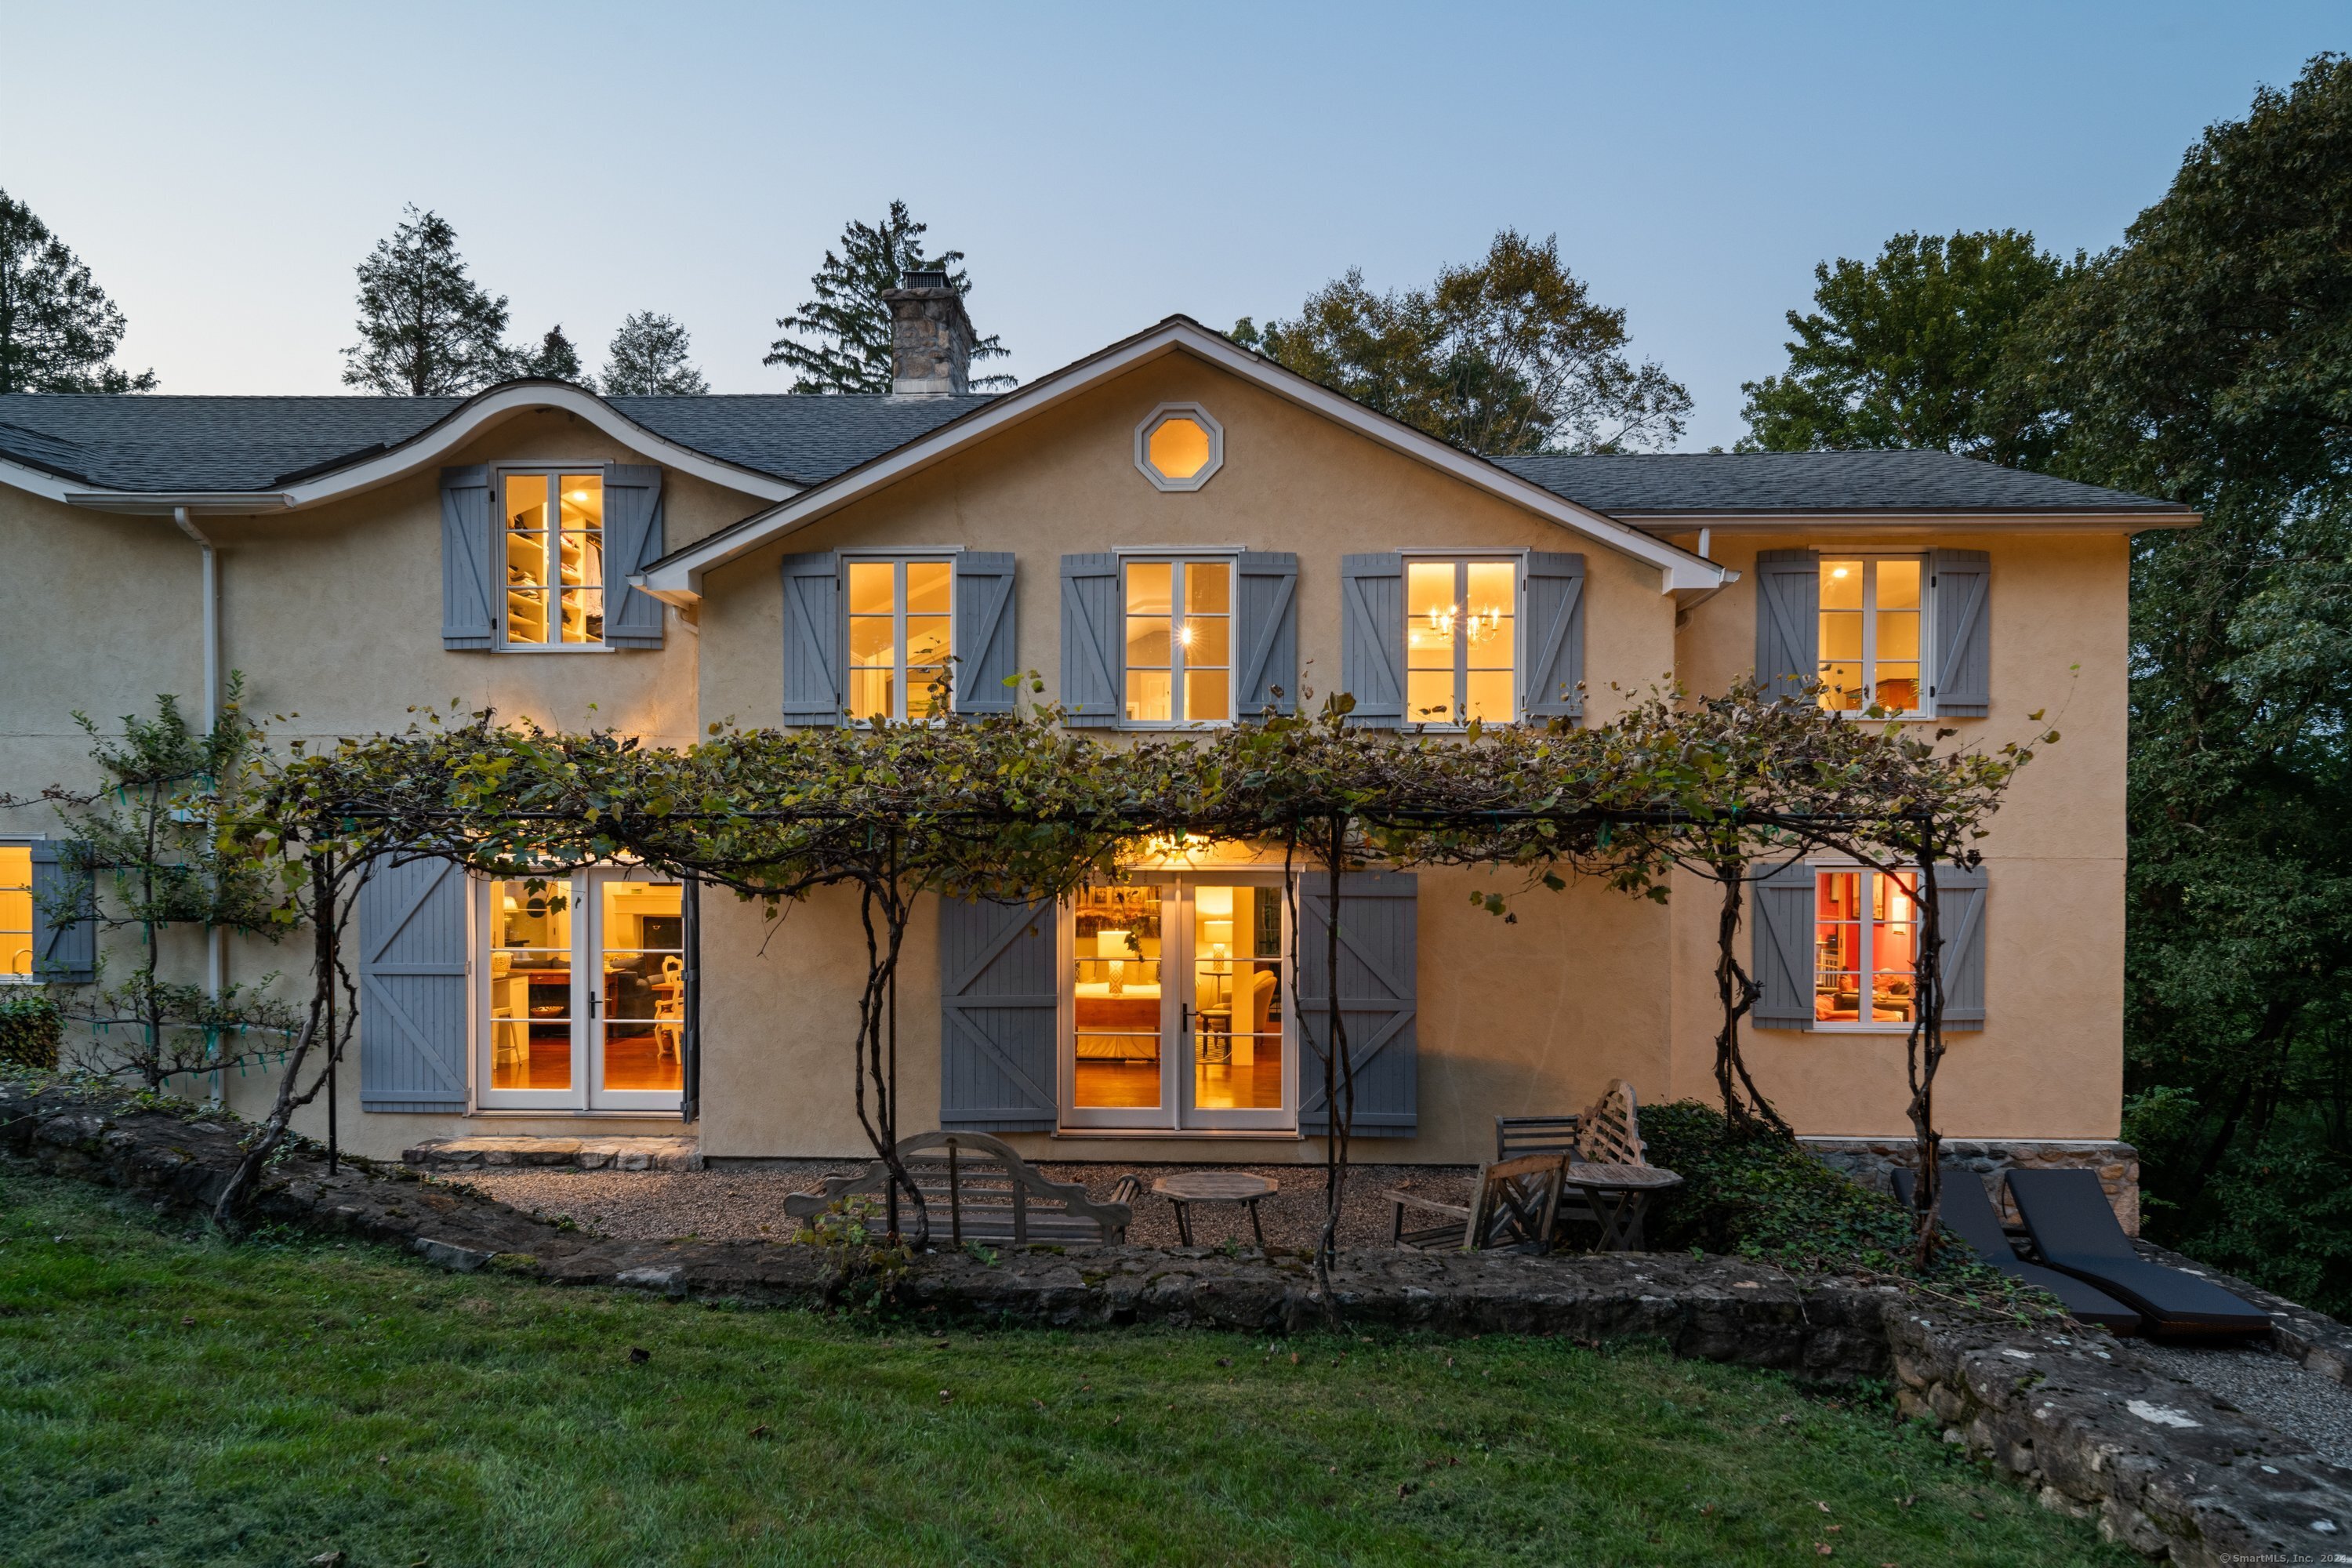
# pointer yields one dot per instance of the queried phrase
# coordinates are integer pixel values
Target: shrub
(31, 1029)
(1758, 1194)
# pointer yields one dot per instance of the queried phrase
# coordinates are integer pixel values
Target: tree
(2207, 358)
(1507, 355)
(426, 329)
(1901, 350)
(58, 327)
(840, 341)
(556, 360)
(647, 358)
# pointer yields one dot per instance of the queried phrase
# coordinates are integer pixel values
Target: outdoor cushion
(2066, 1214)
(1967, 1210)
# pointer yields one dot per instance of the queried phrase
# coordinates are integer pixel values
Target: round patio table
(1189, 1187)
(1619, 1197)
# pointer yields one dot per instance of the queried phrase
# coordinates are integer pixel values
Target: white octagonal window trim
(1179, 446)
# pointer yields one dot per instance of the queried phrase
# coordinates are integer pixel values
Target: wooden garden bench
(977, 1189)
(1512, 1210)
(1610, 1181)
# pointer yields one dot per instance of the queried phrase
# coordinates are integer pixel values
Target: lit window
(1865, 939)
(15, 913)
(555, 558)
(586, 993)
(1461, 641)
(1179, 617)
(1178, 448)
(901, 621)
(1869, 634)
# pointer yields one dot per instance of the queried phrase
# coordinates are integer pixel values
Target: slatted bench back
(976, 1188)
(1610, 1133)
(1517, 1135)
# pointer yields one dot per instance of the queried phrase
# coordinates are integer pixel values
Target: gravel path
(748, 1205)
(2269, 1386)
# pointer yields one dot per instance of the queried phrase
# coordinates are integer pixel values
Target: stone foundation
(1871, 1159)
(575, 1153)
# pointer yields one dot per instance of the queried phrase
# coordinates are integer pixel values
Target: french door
(1174, 1009)
(583, 993)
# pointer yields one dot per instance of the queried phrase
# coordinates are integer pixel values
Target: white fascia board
(423, 450)
(680, 579)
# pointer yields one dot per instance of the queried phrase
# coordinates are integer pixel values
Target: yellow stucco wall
(335, 615)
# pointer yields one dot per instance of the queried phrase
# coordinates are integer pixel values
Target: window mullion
(1461, 642)
(899, 706)
(1178, 572)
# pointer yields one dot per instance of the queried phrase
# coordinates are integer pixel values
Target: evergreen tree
(1902, 348)
(647, 358)
(556, 360)
(426, 328)
(58, 327)
(846, 327)
(1508, 355)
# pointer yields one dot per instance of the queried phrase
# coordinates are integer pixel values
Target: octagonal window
(1179, 446)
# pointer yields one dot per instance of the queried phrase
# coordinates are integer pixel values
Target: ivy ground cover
(166, 1399)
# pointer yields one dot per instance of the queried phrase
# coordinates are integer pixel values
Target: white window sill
(573, 647)
(1259, 1134)
(1899, 1031)
(569, 1113)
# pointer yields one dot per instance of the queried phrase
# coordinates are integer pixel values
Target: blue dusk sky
(222, 169)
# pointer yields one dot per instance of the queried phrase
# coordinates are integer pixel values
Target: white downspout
(216, 954)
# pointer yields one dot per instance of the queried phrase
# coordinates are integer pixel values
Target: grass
(167, 1399)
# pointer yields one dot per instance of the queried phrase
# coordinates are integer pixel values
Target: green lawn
(166, 1399)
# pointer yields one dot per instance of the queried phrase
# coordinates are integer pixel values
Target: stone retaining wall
(2094, 1429)
(1870, 1160)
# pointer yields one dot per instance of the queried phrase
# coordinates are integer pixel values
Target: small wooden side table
(1188, 1187)
(1619, 1197)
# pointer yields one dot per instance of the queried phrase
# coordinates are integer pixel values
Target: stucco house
(1173, 532)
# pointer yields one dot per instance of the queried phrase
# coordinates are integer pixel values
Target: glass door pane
(641, 974)
(531, 985)
(1237, 999)
(1116, 1006)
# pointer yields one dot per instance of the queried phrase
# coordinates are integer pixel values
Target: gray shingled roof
(1811, 482)
(196, 444)
(190, 444)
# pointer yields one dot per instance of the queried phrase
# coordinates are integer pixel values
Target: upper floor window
(1180, 660)
(15, 913)
(1461, 641)
(1871, 633)
(1179, 446)
(901, 635)
(554, 557)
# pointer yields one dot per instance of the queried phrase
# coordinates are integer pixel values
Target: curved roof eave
(380, 466)
(677, 577)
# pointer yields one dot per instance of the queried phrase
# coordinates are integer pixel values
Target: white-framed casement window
(1177, 617)
(1461, 640)
(553, 530)
(901, 619)
(16, 913)
(1872, 628)
(583, 995)
(1865, 943)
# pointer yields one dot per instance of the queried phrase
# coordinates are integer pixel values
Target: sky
(223, 169)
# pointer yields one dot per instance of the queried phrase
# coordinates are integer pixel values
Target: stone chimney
(930, 338)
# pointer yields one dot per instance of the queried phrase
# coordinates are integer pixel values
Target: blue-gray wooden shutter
(1372, 637)
(999, 1011)
(1781, 964)
(414, 941)
(1961, 917)
(1265, 629)
(1554, 627)
(1094, 641)
(1378, 986)
(1787, 620)
(814, 648)
(1961, 582)
(987, 639)
(633, 541)
(472, 577)
(65, 927)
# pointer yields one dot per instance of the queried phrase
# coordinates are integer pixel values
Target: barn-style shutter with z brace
(1379, 1000)
(1265, 624)
(415, 940)
(999, 1012)
(633, 541)
(987, 633)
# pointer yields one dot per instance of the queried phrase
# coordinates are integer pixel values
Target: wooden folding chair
(1513, 1210)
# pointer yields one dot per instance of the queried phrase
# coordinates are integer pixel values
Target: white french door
(583, 993)
(1174, 1009)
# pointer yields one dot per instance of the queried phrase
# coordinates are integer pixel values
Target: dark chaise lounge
(2066, 1214)
(1967, 1210)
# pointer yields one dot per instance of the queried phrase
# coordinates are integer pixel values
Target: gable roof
(1686, 486)
(254, 454)
(677, 577)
